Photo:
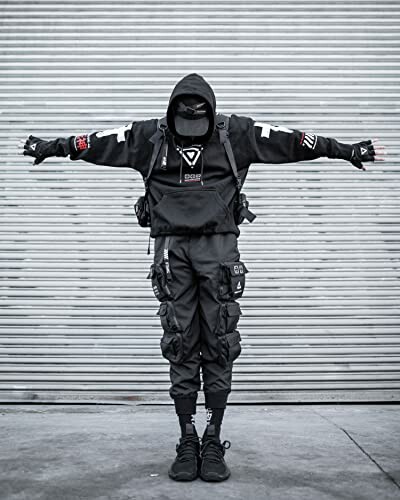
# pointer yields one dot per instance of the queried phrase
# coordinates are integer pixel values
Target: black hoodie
(195, 192)
(193, 84)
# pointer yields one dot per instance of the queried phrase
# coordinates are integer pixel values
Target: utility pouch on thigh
(159, 282)
(233, 280)
(229, 347)
(171, 342)
(229, 314)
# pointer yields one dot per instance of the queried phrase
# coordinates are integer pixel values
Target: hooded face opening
(191, 116)
(191, 110)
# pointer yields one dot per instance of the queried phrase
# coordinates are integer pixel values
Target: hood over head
(192, 108)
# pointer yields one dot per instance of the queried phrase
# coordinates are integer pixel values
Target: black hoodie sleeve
(268, 143)
(125, 146)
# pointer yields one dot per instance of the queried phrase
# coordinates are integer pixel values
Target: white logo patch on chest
(190, 154)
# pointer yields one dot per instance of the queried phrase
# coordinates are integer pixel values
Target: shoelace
(214, 450)
(187, 448)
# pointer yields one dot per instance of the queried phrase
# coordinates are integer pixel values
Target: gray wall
(321, 309)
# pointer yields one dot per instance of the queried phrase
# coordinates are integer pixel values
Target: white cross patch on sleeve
(119, 131)
(266, 128)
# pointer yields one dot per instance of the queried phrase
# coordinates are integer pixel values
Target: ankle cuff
(185, 406)
(216, 399)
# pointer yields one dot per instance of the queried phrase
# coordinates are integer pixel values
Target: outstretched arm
(277, 144)
(118, 147)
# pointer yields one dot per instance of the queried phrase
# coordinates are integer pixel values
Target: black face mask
(191, 119)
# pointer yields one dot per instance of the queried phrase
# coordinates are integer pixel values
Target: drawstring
(164, 163)
(202, 166)
(180, 172)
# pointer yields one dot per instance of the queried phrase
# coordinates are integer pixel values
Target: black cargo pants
(197, 279)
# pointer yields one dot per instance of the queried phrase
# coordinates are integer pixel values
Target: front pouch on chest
(190, 210)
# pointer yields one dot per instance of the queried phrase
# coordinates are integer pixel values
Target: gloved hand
(41, 149)
(364, 151)
(38, 148)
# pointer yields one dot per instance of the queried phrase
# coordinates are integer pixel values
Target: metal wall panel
(321, 309)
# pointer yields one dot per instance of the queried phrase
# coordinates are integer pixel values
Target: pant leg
(180, 343)
(219, 311)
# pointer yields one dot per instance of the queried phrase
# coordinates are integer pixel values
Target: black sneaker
(186, 464)
(213, 466)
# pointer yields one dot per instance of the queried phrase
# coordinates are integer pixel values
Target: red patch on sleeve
(302, 137)
(81, 142)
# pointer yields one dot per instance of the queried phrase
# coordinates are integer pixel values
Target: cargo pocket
(159, 282)
(228, 317)
(233, 280)
(171, 342)
(229, 347)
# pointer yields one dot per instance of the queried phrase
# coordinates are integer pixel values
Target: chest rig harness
(159, 139)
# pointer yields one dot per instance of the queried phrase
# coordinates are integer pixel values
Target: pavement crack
(388, 476)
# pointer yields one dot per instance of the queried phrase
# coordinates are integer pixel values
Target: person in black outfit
(194, 163)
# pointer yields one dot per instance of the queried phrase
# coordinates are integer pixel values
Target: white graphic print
(363, 151)
(190, 154)
(192, 177)
(208, 415)
(309, 140)
(33, 147)
(119, 131)
(266, 128)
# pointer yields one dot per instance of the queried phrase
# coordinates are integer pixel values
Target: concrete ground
(287, 452)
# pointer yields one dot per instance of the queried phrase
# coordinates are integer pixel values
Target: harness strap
(223, 127)
(158, 138)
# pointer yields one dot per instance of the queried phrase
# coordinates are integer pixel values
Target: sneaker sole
(182, 476)
(214, 478)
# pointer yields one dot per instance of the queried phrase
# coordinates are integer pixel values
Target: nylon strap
(223, 127)
(158, 138)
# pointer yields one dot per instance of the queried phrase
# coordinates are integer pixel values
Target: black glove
(38, 148)
(41, 149)
(362, 151)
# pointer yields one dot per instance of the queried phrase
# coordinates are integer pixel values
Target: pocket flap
(166, 339)
(233, 338)
(233, 309)
(236, 268)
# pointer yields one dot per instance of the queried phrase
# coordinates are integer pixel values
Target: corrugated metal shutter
(321, 309)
